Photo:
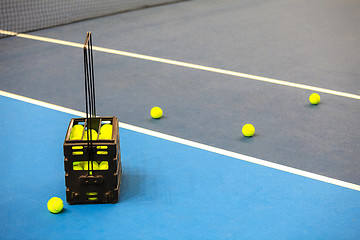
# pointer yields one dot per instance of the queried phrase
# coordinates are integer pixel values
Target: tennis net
(29, 15)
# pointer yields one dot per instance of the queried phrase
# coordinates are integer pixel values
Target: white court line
(188, 65)
(194, 144)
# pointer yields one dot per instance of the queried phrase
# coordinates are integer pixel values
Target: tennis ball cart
(92, 159)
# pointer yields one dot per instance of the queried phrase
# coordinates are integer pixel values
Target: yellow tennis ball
(76, 132)
(106, 131)
(87, 165)
(94, 135)
(78, 166)
(156, 112)
(104, 165)
(55, 205)
(248, 130)
(95, 166)
(314, 98)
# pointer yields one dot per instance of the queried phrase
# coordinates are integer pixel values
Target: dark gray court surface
(310, 42)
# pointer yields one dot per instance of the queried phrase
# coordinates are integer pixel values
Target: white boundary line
(187, 65)
(194, 144)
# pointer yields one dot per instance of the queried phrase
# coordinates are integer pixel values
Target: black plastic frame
(106, 183)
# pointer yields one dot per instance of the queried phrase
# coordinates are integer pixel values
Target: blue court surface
(191, 175)
(169, 191)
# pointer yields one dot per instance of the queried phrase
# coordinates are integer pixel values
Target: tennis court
(212, 67)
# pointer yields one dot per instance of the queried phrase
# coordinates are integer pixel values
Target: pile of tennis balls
(77, 131)
(105, 133)
(96, 165)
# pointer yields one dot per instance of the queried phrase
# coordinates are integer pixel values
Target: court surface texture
(192, 175)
